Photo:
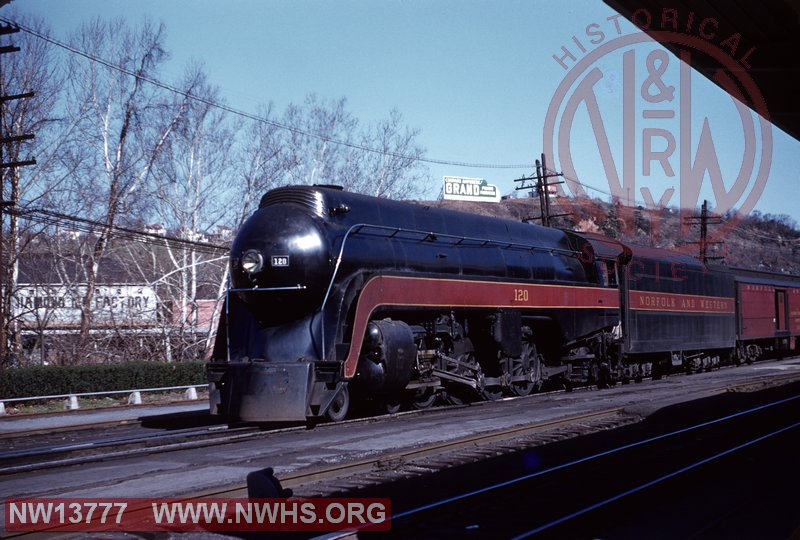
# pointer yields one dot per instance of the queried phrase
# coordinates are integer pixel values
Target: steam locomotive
(339, 298)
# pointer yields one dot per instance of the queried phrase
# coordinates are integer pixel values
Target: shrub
(53, 380)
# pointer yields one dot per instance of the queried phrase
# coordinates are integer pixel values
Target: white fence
(134, 396)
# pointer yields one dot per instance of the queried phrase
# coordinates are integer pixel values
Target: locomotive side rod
(472, 383)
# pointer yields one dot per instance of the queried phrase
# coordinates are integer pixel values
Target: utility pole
(541, 187)
(545, 219)
(704, 231)
(6, 141)
(704, 220)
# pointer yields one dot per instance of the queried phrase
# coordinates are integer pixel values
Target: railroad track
(725, 473)
(405, 462)
(51, 456)
(93, 418)
(466, 448)
(101, 424)
(336, 478)
(328, 480)
(387, 465)
(127, 446)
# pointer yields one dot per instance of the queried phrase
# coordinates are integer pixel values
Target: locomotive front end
(282, 251)
(268, 343)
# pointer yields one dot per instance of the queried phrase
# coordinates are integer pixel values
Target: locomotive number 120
(520, 295)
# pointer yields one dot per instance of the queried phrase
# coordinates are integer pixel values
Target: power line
(741, 229)
(254, 117)
(49, 217)
(140, 235)
(597, 189)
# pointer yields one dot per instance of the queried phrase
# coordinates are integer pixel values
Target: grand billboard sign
(457, 188)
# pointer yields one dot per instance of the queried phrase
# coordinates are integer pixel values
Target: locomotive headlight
(252, 261)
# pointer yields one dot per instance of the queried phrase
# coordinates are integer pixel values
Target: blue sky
(476, 77)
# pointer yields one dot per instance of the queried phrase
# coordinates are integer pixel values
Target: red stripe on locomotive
(430, 292)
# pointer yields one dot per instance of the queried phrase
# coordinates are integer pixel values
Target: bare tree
(33, 69)
(127, 151)
(193, 197)
(395, 171)
(324, 143)
(315, 159)
(261, 158)
(125, 124)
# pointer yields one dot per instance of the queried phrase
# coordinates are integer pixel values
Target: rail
(134, 396)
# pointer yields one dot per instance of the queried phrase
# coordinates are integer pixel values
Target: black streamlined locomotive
(338, 297)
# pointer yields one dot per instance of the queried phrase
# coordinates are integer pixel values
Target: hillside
(756, 241)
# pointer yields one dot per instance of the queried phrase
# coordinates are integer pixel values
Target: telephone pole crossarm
(542, 189)
(704, 220)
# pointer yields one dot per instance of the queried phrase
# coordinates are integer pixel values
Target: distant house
(222, 234)
(192, 236)
(156, 228)
(69, 233)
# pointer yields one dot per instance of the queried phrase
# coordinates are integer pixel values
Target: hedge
(54, 380)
